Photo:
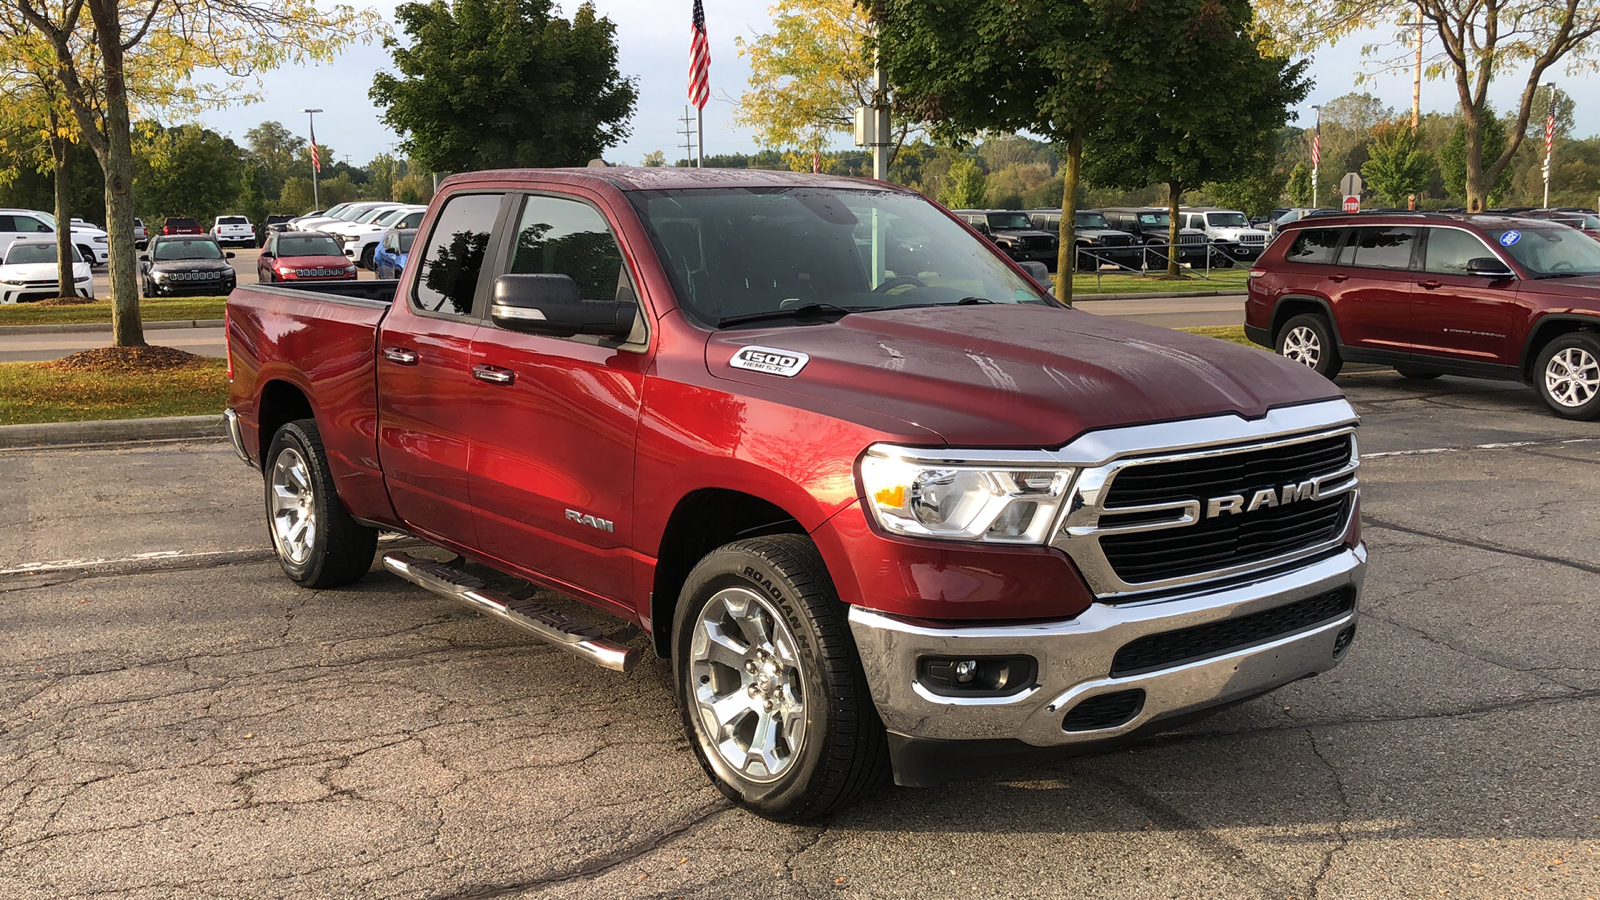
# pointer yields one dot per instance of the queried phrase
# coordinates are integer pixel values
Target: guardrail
(1153, 259)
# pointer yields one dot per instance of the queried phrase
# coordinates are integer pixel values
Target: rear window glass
(182, 222)
(1379, 248)
(233, 220)
(1314, 245)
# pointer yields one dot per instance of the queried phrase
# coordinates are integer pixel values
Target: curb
(105, 326)
(1239, 292)
(111, 431)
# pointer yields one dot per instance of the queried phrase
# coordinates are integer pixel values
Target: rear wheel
(1308, 340)
(769, 686)
(1568, 376)
(366, 257)
(319, 545)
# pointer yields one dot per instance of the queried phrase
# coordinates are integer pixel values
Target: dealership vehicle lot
(194, 725)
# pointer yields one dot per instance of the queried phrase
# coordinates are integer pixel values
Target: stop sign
(1352, 204)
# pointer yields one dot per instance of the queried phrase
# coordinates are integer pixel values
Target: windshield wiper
(970, 301)
(1567, 275)
(808, 311)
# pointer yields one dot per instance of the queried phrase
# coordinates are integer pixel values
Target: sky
(653, 40)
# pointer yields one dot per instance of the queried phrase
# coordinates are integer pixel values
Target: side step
(573, 635)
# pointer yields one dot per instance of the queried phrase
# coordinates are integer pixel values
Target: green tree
(655, 158)
(1257, 185)
(1455, 165)
(252, 202)
(490, 84)
(277, 150)
(414, 187)
(382, 173)
(1399, 167)
(963, 187)
(1175, 137)
(186, 170)
(1474, 41)
(1299, 188)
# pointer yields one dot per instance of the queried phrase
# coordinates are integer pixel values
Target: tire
(300, 498)
(835, 752)
(366, 257)
(1567, 376)
(1411, 374)
(87, 253)
(1308, 339)
(1083, 262)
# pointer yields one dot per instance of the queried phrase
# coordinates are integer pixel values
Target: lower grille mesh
(1171, 648)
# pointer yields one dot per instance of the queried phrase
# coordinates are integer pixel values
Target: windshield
(199, 248)
(389, 216)
(44, 217)
(748, 251)
(1009, 221)
(405, 241)
(308, 245)
(1550, 252)
(372, 215)
(1227, 220)
(1091, 220)
(354, 213)
(1155, 220)
(22, 254)
(332, 210)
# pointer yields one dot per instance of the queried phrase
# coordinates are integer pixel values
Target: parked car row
(1514, 298)
(18, 224)
(1126, 237)
(28, 271)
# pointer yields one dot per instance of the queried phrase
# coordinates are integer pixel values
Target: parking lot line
(1503, 445)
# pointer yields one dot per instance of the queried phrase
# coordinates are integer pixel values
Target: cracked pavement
(197, 726)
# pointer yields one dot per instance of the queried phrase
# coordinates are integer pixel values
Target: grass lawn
(1233, 334)
(164, 309)
(31, 393)
(1124, 283)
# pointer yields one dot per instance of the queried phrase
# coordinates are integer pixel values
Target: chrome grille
(1252, 237)
(1191, 239)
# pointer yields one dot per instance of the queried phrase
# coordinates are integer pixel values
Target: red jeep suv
(1432, 294)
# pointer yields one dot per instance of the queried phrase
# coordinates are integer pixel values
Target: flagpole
(700, 138)
(316, 201)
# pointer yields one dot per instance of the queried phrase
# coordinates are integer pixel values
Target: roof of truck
(663, 178)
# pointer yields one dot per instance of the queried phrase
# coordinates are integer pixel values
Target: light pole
(316, 199)
(1549, 138)
(1316, 155)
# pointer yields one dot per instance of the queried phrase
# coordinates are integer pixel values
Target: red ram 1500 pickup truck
(883, 504)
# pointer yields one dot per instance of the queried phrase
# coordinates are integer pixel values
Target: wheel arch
(1547, 329)
(1291, 305)
(702, 521)
(281, 402)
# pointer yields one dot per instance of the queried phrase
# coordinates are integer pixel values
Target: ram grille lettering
(1265, 498)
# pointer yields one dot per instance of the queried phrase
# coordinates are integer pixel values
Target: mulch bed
(63, 301)
(126, 360)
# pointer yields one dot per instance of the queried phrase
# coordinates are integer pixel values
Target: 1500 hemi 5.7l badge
(787, 363)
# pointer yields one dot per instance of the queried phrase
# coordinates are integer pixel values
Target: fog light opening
(1342, 642)
(977, 676)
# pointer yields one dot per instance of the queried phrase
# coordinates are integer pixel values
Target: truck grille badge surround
(1176, 504)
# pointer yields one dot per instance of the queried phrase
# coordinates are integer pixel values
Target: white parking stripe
(60, 565)
(1507, 445)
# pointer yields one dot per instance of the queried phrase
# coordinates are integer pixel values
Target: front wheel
(1568, 376)
(366, 258)
(769, 686)
(319, 545)
(1308, 340)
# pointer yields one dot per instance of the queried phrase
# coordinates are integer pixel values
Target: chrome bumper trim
(1075, 658)
(230, 419)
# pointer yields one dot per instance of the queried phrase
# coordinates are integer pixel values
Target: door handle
(1339, 277)
(493, 374)
(1428, 285)
(400, 355)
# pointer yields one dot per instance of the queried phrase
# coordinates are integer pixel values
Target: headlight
(100, 240)
(11, 283)
(963, 499)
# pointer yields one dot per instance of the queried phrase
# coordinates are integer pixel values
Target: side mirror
(549, 304)
(228, 255)
(144, 257)
(982, 229)
(1488, 267)
(1038, 271)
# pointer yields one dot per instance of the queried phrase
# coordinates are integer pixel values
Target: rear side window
(448, 280)
(1313, 245)
(1379, 248)
(1449, 250)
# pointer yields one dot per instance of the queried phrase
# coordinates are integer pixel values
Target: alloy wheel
(1303, 346)
(1572, 377)
(294, 513)
(748, 684)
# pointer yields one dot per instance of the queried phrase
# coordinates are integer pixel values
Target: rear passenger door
(1464, 317)
(1370, 287)
(555, 419)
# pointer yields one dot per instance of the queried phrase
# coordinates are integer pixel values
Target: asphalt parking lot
(180, 721)
(243, 262)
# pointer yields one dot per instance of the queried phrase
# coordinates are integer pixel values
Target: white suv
(28, 223)
(360, 239)
(233, 230)
(1229, 230)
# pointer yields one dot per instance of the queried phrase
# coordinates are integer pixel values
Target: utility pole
(316, 166)
(688, 133)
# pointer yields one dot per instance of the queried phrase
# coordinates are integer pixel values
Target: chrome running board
(573, 635)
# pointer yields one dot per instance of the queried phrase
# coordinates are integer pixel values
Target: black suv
(1011, 231)
(1096, 241)
(1149, 225)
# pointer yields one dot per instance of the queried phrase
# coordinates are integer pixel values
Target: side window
(1380, 248)
(453, 259)
(28, 224)
(7, 225)
(1313, 245)
(1448, 251)
(556, 236)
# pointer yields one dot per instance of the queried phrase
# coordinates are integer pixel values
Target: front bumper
(1075, 660)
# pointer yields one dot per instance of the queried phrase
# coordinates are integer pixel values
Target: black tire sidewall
(1588, 411)
(342, 550)
(787, 796)
(1329, 363)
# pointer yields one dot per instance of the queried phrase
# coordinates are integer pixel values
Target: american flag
(1549, 131)
(1316, 147)
(699, 60)
(316, 161)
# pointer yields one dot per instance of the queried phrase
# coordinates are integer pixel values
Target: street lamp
(1549, 138)
(316, 199)
(1316, 155)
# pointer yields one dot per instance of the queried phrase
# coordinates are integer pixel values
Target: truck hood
(40, 271)
(1017, 375)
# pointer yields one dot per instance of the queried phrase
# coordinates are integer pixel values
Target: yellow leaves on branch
(808, 74)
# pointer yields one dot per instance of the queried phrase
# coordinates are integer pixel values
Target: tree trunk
(1477, 193)
(66, 286)
(1066, 251)
(1174, 190)
(117, 159)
